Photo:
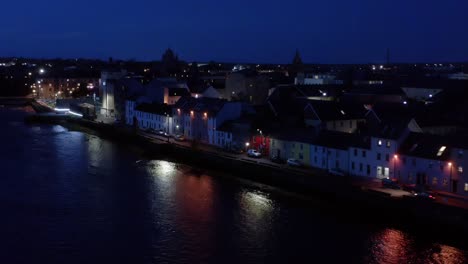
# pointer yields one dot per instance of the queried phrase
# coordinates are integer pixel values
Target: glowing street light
(41, 71)
(450, 182)
(247, 144)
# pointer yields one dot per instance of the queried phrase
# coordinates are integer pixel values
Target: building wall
(230, 111)
(346, 126)
(382, 154)
(459, 159)
(416, 170)
(280, 148)
(222, 139)
(300, 151)
(129, 112)
(107, 91)
(360, 162)
(330, 159)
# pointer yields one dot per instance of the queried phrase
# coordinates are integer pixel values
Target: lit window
(434, 181)
(441, 151)
(380, 142)
(466, 187)
(388, 144)
(460, 169)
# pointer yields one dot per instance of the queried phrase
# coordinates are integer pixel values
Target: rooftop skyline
(333, 31)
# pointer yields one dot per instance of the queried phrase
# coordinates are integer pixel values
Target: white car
(294, 163)
(253, 153)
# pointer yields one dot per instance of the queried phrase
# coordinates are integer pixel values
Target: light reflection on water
(394, 246)
(69, 194)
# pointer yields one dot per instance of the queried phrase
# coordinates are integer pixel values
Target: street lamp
(450, 179)
(395, 157)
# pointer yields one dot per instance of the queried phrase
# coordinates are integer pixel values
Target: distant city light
(41, 71)
(405, 102)
(430, 95)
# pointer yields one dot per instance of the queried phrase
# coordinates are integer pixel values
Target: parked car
(425, 195)
(417, 188)
(236, 150)
(294, 162)
(179, 137)
(277, 159)
(390, 183)
(254, 153)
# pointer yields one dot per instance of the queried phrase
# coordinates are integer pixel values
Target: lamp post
(167, 127)
(450, 179)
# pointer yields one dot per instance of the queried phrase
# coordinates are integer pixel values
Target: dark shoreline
(426, 218)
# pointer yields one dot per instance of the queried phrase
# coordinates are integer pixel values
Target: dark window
(355, 152)
(352, 165)
(368, 169)
(387, 157)
(364, 153)
(379, 156)
(360, 166)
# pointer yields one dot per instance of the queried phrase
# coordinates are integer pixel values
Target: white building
(149, 116)
(199, 118)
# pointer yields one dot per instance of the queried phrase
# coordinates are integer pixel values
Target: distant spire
(297, 58)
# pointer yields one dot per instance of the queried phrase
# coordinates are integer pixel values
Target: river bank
(430, 216)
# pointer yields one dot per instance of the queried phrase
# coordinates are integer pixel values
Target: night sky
(325, 31)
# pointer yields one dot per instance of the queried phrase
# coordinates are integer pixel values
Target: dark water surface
(70, 197)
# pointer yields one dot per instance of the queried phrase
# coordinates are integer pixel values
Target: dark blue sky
(325, 31)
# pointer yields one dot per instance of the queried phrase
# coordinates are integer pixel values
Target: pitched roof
(332, 110)
(426, 146)
(159, 109)
(203, 104)
(178, 92)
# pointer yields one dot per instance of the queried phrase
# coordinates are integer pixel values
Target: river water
(71, 197)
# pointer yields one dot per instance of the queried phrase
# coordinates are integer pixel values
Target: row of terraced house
(376, 141)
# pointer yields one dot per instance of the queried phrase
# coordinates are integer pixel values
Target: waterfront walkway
(366, 184)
